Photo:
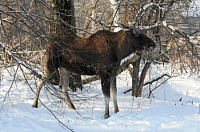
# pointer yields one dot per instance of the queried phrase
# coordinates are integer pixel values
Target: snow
(193, 9)
(117, 29)
(2, 45)
(149, 5)
(127, 58)
(174, 106)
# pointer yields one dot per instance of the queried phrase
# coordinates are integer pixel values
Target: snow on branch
(2, 45)
(143, 10)
(176, 29)
(172, 28)
(149, 5)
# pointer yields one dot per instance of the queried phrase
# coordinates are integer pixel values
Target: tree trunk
(135, 76)
(115, 14)
(0, 76)
(142, 77)
(65, 9)
(93, 15)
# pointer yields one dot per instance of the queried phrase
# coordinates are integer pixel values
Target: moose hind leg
(64, 79)
(113, 90)
(40, 83)
(105, 84)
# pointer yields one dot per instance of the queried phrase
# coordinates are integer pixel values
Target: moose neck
(125, 44)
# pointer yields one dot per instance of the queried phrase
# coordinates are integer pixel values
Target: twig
(21, 63)
(158, 86)
(7, 93)
(158, 78)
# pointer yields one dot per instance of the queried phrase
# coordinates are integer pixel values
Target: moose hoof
(116, 110)
(35, 105)
(106, 116)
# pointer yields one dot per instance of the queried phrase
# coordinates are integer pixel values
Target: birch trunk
(116, 17)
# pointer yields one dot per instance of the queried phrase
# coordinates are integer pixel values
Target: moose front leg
(105, 84)
(113, 90)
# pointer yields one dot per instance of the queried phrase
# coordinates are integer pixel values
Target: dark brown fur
(100, 54)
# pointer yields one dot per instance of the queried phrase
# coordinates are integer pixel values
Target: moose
(100, 54)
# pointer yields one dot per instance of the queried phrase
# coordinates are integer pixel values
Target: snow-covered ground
(174, 106)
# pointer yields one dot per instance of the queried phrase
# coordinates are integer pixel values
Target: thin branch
(7, 93)
(21, 63)
(150, 92)
(150, 82)
(158, 78)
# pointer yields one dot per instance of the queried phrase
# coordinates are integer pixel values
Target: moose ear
(123, 26)
(136, 31)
